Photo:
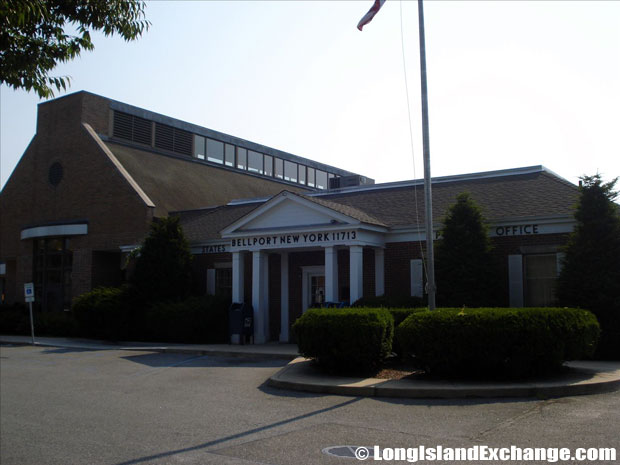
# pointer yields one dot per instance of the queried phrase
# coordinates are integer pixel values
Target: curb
(299, 375)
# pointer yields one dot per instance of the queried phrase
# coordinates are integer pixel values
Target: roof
(174, 183)
(522, 193)
(531, 194)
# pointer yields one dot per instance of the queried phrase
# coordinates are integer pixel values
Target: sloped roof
(533, 194)
(529, 193)
(175, 183)
(206, 224)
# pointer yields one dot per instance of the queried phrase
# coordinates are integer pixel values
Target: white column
(379, 272)
(237, 277)
(284, 297)
(259, 296)
(331, 274)
(515, 280)
(356, 272)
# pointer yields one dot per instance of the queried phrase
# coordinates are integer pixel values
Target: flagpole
(428, 196)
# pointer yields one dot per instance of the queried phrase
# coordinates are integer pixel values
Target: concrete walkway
(584, 377)
(273, 351)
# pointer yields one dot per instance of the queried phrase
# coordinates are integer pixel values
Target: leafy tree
(33, 39)
(163, 267)
(590, 275)
(465, 268)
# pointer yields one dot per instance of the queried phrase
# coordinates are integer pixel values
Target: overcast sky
(511, 83)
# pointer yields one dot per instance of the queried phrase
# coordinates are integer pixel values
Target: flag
(371, 14)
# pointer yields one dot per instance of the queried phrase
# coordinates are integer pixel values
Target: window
(279, 168)
(541, 276)
(223, 281)
(302, 174)
(290, 171)
(52, 264)
(242, 158)
(215, 151)
(255, 162)
(321, 179)
(268, 165)
(199, 147)
(311, 173)
(229, 155)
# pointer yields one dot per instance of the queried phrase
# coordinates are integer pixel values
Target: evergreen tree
(590, 275)
(163, 267)
(465, 268)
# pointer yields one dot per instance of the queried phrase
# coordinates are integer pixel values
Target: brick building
(287, 252)
(269, 228)
(96, 174)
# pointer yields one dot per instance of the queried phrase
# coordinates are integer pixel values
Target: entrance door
(313, 286)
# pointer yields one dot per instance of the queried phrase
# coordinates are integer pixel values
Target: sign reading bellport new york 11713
(295, 239)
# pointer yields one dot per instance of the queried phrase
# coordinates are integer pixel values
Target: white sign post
(29, 295)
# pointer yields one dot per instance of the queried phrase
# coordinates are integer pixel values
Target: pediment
(287, 211)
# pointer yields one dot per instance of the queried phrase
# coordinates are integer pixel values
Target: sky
(510, 83)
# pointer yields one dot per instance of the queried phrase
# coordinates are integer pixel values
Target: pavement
(579, 378)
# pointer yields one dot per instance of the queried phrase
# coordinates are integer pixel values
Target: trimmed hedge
(353, 340)
(402, 301)
(15, 319)
(498, 342)
(104, 313)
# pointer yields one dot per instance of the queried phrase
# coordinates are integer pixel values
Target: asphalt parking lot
(73, 406)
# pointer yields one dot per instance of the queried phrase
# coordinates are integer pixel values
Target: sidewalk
(273, 351)
(584, 377)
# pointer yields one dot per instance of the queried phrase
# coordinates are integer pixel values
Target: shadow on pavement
(160, 360)
(238, 435)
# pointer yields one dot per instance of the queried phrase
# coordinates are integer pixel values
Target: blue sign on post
(29, 294)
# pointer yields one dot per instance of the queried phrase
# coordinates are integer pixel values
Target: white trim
(416, 276)
(233, 228)
(55, 230)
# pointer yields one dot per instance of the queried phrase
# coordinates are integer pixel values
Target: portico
(295, 227)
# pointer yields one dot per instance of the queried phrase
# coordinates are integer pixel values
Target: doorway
(313, 286)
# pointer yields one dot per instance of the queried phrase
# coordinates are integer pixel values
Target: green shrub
(14, 319)
(399, 301)
(193, 320)
(399, 315)
(55, 324)
(104, 313)
(354, 340)
(498, 342)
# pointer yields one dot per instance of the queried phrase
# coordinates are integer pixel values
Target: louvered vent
(182, 142)
(123, 124)
(132, 128)
(164, 137)
(142, 130)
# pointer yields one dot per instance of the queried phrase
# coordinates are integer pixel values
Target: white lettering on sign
(292, 239)
(517, 230)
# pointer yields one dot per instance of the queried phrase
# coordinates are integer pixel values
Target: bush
(14, 319)
(399, 301)
(498, 342)
(354, 340)
(104, 313)
(193, 320)
(54, 324)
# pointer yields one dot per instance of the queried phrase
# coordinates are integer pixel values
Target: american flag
(371, 14)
